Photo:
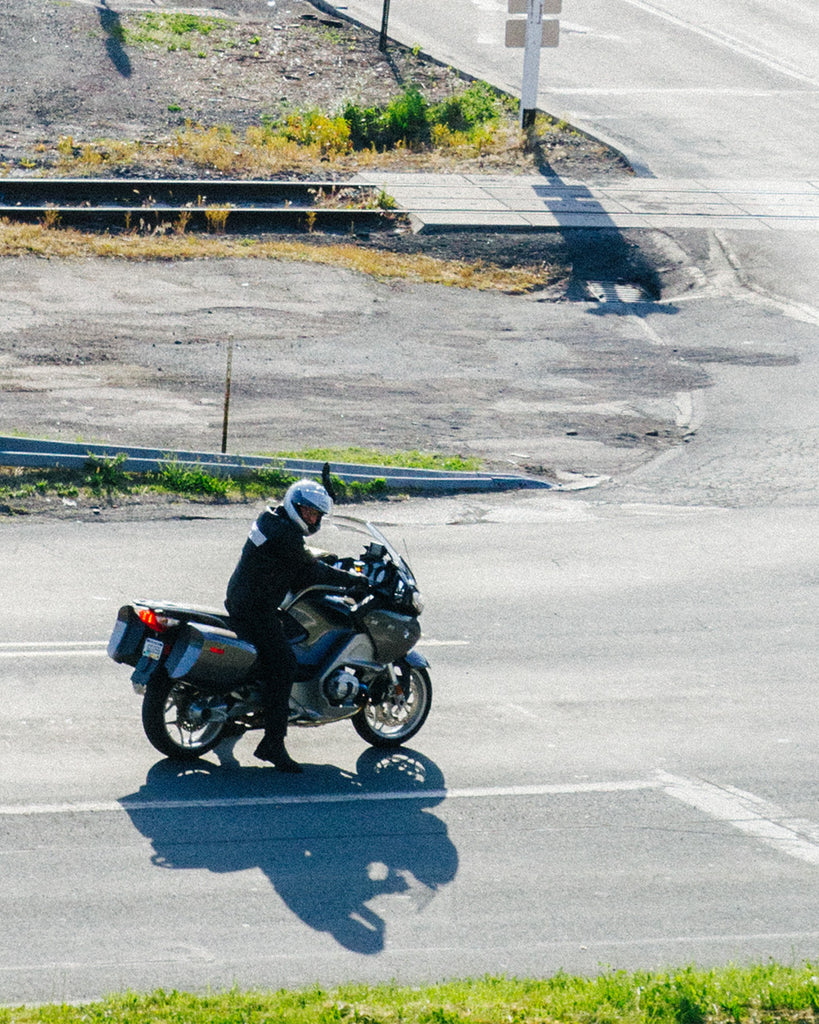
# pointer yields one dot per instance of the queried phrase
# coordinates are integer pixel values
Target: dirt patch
(135, 353)
(117, 352)
(98, 71)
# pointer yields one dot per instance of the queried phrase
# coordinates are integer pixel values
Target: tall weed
(403, 120)
(105, 475)
(409, 120)
(183, 480)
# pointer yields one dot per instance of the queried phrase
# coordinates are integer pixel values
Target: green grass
(373, 457)
(169, 30)
(729, 995)
(409, 119)
(408, 130)
(104, 479)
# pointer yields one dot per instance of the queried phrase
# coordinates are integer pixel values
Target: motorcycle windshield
(361, 526)
(399, 561)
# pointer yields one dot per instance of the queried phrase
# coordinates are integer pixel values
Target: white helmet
(307, 494)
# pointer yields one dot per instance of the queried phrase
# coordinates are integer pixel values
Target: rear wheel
(179, 720)
(398, 709)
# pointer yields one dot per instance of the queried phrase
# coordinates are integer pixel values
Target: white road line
(53, 654)
(795, 837)
(50, 644)
(731, 43)
(675, 90)
(749, 814)
(109, 806)
(38, 648)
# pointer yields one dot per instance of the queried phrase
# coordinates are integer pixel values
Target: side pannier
(210, 656)
(125, 645)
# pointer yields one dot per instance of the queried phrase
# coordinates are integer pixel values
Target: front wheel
(398, 710)
(179, 720)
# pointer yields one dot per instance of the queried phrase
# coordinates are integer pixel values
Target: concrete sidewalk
(475, 202)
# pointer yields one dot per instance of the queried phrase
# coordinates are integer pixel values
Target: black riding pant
(276, 667)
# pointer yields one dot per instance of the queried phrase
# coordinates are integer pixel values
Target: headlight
(417, 603)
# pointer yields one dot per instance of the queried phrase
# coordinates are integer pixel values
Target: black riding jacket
(274, 561)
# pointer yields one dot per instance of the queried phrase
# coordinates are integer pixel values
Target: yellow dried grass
(18, 239)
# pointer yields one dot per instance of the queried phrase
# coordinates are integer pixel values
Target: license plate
(152, 649)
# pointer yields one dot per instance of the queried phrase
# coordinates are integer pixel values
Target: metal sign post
(226, 412)
(385, 17)
(531, 35)
(531, 63)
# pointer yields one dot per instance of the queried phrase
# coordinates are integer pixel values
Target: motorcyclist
(274, 560)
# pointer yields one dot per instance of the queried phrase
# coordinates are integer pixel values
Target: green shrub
(273, 480)
(477, 106)
(183, 480)
(408, 119)
(104, 475)
(406, 116)
(404, 120)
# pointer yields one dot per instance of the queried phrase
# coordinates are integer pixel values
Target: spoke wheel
(398, 711)
(175, 717)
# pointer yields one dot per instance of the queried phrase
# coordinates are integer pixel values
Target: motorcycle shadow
(334, 844)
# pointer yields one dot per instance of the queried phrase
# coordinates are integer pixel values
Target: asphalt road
(604, 676)
(619, 769)
(685, 90)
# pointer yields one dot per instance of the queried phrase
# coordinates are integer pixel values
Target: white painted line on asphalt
(751, 815)
(13, 649)
(53, 654)
(109, 806)
(723, 39)
(671, 90)
(50, 644)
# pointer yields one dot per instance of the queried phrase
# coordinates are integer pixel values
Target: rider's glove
(359, 585)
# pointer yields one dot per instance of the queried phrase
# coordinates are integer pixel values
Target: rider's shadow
(330, 842)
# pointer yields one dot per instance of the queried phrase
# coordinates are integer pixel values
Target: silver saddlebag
(125, 645)
(210, 657)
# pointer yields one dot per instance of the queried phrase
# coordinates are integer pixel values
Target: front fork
(412, 660)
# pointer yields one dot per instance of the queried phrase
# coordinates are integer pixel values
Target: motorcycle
(356, 659)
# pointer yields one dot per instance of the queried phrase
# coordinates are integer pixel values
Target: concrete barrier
(18, 451)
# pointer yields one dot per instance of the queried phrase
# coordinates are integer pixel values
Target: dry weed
(35, 239)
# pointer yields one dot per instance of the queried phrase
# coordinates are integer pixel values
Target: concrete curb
(16, 451)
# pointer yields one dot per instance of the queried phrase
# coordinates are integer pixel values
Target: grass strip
(104, 479)
(476, 123)
(17, 239)
(372, 457)
(742, 995)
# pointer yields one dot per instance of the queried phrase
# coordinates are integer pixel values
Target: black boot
(273, 750)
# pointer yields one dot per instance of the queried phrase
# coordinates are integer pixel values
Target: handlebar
(325, 588)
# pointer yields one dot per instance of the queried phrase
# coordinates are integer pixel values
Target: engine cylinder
(343, 687)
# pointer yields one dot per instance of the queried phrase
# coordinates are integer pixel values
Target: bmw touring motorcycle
(356, 659)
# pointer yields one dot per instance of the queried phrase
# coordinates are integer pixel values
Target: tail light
(159, 623)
